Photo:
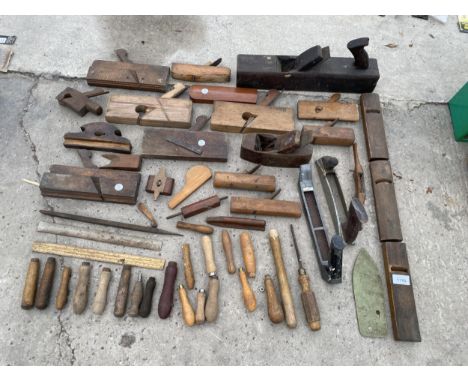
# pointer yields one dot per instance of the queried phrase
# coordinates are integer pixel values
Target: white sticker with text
(401, 279)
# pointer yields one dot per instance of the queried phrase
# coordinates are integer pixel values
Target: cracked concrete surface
(430, 180)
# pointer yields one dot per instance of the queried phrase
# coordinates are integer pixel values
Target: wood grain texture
(178, 89)
(45, 284)
(328, 111)
(309, 303)
(331, 135)
(188, 268)
(120, 305)
(195, 177)
(227, 247)
(200, 73)
(268, 207)
(200, 228)
(212, 303)
(240, 181)
(237, 223)
(30, 284)
(127, 162)
(250, 302)
(275, 310)
(62, 293)
(231, 117)
(166, 299)
(200, 309)
(100, 298)
(80, 297)
(209, 94)
(135, 298)
(248, 253)
(207, 245)
(187, 311)
(149, 111)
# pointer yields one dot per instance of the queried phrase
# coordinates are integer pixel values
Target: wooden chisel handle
(80, 298)
(285, 291)
(227, 247)
(30, 284)
(122, 292)
(147, 300)
(248, 254)
(100, 299)
(200, 228)
(45, 285)
(250, 301)
(207, 246)
(187, 310)
(62, 293)
(166, 299)
(135, 297)
(211, 308)
(200, 311)
(275, 310)
(308, 302)
(188, 268)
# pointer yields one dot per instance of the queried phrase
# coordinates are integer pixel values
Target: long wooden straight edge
(96, 255)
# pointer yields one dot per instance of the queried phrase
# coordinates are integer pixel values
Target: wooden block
(126, 162)
(195, 177)
(215, 148)
(268, 207)
(127, 75)
(231, 117)
(200, 73)
(209, 94)
(149, 111)
(328, 111)
(167, 189)
(240, 181)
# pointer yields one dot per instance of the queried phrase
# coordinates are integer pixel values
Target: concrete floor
(418, 77)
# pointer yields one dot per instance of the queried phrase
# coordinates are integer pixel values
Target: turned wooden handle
(309, 303)
(188, 269)
(285, 291)
(122, 291)
(135, 298)
(166, 299)
(250, 301)
(45, 284)
(227, 247)
(147, 300)
(211, 308)
(200, 312)
(100, 299)
(241, 181)
(62, 293)
(80, 297)
(187, 310)
(275, 310)
(200, 228)
(207, 246)
(195, 177)
(30, 284)
(248, 254)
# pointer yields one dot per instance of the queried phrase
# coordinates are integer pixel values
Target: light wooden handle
(122, 292)
(240, 181)
(275, 310)
(100, 299)
(248, 254)
(143, 208)
(200, 228)
(80, 298)
(62, 293)
(211, 308)
(207, 246)
(188, 269)
(45, 285)
(30, 284)
(285, 291)
(250, 301)
(178, 88)
(135, 298)
(187, 310)
(200, 313)
(194, 179)
(166, 300)
(227, 247)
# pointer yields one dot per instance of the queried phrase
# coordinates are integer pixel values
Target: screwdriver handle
(147, 300)
(188, 269)
(100, 299)
(62, 293)
(248, 253)
(275, 310)
(250, 301)
(167, 294)
(308, 302)
(45, 285)
(227, 247)
(122, 291)
(187, 310)
(80, 298)
(200, 312)
(200, 206)
(135, 298)
(207, 246)
(211, 308)
(30, 284)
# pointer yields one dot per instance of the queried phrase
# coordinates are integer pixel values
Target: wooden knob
(135, 297)
(147, 300)
(200, 312)
(187, 310)
(30, 284)
(275, 311)
(248, 253)
(80, 298)
(62, 293)
(45, 284)
(188, 269)
(250, 301)
(166, 299)
(211, 308)
(100, 299)
(227, 247)
(200, 228)
(122, 291)
(207, 246)
(309, 303)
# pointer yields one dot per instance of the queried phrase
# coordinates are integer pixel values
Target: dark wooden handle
(200, 206)
(211, 308)
(45, 284)
(200, 311)
(135, 298)
(309, 303)
(275, 311)
(248, 254)
(80, 298)
(200, 228)
(187, 310)
(207, 245)
(238, 223)
(227, 246)
(269, 207)
(122, 292)
(331, 135)
(30, 284)
(147, 300)
(62, 293)
(188, 269)
(166, 300)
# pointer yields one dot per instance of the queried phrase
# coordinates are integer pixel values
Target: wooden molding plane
(127, 162)
(209, 94)
(200, 73)
(399, 282)
(90, 184)
(268, 207)
(329, 110)
(149, 111)
(235, 118)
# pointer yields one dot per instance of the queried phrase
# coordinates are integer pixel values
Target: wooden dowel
(30, 284)
(45, 285)
(100, 299)
(188, 269)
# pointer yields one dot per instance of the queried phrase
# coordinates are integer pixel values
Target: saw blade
(369, 297)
